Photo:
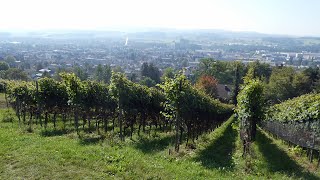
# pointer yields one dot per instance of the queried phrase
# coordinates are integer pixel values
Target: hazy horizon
(285, 17)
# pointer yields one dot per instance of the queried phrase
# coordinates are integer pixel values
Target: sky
(288, 17)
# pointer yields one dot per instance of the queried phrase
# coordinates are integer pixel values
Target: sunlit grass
(64, 154)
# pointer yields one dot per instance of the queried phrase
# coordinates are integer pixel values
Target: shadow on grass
(278, 160)
(90, 140)
(54, 132)
(153, 145)
(218, 154)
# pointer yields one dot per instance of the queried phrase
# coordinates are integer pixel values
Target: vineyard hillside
(57, 154)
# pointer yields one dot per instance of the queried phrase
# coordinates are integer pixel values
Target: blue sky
(292, 17)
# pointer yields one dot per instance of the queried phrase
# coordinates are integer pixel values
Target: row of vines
(297, 121)
(249, 111)
(122, 105)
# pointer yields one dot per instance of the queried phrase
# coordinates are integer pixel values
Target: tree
(208, 84)
(4, 66)
(148, 82)
(301, 84)
(184, 63)
(11, 60)
(103, 73)
(313, 74)
(259, 70)
(39, 66)
(99, 73)
(15, 74)
(221, 70)
(25, 65)
(300, 61)
(145, 69)
(78, 71)
(236, 83)
(280, 85)
(118, 69)
(88, 68)
(133, 77)
(290, 60)
(149, 70)
(316, 86)
(168, 73)
(107, 73)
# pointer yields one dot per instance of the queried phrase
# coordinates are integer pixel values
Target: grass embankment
(63, 155)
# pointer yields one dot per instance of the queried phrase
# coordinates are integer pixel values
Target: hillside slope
(57, 155)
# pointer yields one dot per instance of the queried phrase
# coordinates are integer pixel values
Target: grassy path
(275, 152)
(64, 156)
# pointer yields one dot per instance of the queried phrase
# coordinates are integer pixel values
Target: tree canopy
(151, 71)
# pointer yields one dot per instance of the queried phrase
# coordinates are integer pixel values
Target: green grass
(3, 103)
(277, 159)
(58, 154)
